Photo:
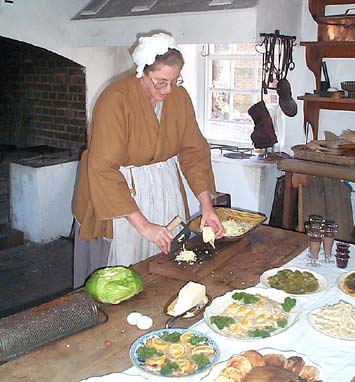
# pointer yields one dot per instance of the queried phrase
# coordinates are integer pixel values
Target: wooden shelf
(312, 104)
(326, 170)
(340, 101)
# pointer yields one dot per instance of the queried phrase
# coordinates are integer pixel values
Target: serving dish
(215, 371)
(248, 218)
(218, 305)
(185, 356)
(337, 320)
(340, 282)
(271, 272)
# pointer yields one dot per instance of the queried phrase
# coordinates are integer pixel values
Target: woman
(129, 186)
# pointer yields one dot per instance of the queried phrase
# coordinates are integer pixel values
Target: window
(233, 86)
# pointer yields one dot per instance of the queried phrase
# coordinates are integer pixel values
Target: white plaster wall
(41, 200)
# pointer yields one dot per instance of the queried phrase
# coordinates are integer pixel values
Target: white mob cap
(149, 47)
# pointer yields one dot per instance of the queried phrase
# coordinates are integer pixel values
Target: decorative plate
(340, 282)
(335, 323)
(271, 272)
(209, 344)
(214, 372)
(220, 303)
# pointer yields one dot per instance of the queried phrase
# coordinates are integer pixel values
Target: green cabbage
(114, 284)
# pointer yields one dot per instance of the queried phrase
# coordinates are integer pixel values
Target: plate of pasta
(337, 320)
(252, 314)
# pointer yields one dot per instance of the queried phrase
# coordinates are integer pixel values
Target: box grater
(24, 331)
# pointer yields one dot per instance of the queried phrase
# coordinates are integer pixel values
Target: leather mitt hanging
(287, 104)
(263, 135)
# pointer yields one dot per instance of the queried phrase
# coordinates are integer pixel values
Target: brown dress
(125, 131)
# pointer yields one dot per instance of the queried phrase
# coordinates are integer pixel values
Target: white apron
(158, 196)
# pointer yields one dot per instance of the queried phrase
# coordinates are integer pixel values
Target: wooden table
(84, 354)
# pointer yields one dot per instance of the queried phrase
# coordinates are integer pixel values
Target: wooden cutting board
(208, 259)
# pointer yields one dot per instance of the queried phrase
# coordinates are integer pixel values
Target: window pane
(230, 132)
(244, 74)
(220, 106)
(228, 49)
(241, 104)
(221, 74)
(220, 48)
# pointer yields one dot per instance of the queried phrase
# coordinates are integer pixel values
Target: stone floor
(32, 274)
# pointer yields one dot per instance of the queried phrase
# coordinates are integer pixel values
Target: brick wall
(42, 97)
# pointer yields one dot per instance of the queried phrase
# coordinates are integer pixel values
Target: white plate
(116, 377)
(214, 372)
(271, 272)
(314, 326)
(340, 282)
(220, 303)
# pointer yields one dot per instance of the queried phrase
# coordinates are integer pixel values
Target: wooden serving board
(208, 259)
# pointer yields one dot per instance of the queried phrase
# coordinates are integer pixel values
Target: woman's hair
(171, 57)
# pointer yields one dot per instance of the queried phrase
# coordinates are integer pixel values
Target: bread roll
(222, 378)
(241, 363)
(310, 373)
(255, 358)
(295, 364)
(277, 360)
(232, 373)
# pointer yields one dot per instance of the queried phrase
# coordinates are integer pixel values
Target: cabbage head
(114, 284)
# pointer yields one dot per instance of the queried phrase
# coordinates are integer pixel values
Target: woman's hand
(155, 233)
(209, 216)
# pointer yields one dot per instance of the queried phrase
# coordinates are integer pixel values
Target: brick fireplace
(42, 116)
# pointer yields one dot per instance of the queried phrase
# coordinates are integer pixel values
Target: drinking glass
(315, 235)
(330, 230)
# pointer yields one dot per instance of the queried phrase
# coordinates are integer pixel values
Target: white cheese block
(189, 296)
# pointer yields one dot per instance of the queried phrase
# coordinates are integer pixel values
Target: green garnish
(146, 352)
(171, 337)
(263, 333)
(246, 297)
(169, 367)
(195, 340)
(222, 321)
(282, 323)
(288, 304)
(201, 360)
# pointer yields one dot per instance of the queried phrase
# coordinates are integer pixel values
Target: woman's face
(161, 82)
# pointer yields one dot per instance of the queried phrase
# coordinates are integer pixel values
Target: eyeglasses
(161, 84)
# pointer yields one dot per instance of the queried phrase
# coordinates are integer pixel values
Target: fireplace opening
(42, 111)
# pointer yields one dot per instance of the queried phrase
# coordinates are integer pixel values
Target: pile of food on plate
(337, 320)
(297, 282)
(252, 366)
(253, 316)
(349, 284)
(176, 354)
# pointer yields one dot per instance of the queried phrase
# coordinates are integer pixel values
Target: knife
(182, 237)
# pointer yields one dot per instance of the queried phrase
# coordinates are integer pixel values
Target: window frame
(208, 90)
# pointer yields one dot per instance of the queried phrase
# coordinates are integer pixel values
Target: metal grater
(24, 331)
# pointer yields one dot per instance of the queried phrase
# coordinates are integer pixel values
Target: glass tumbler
(330, 230)
(315, 235)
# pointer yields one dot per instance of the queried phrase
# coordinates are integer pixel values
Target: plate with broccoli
(252, 313)
(174, 352)
(293, 280)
